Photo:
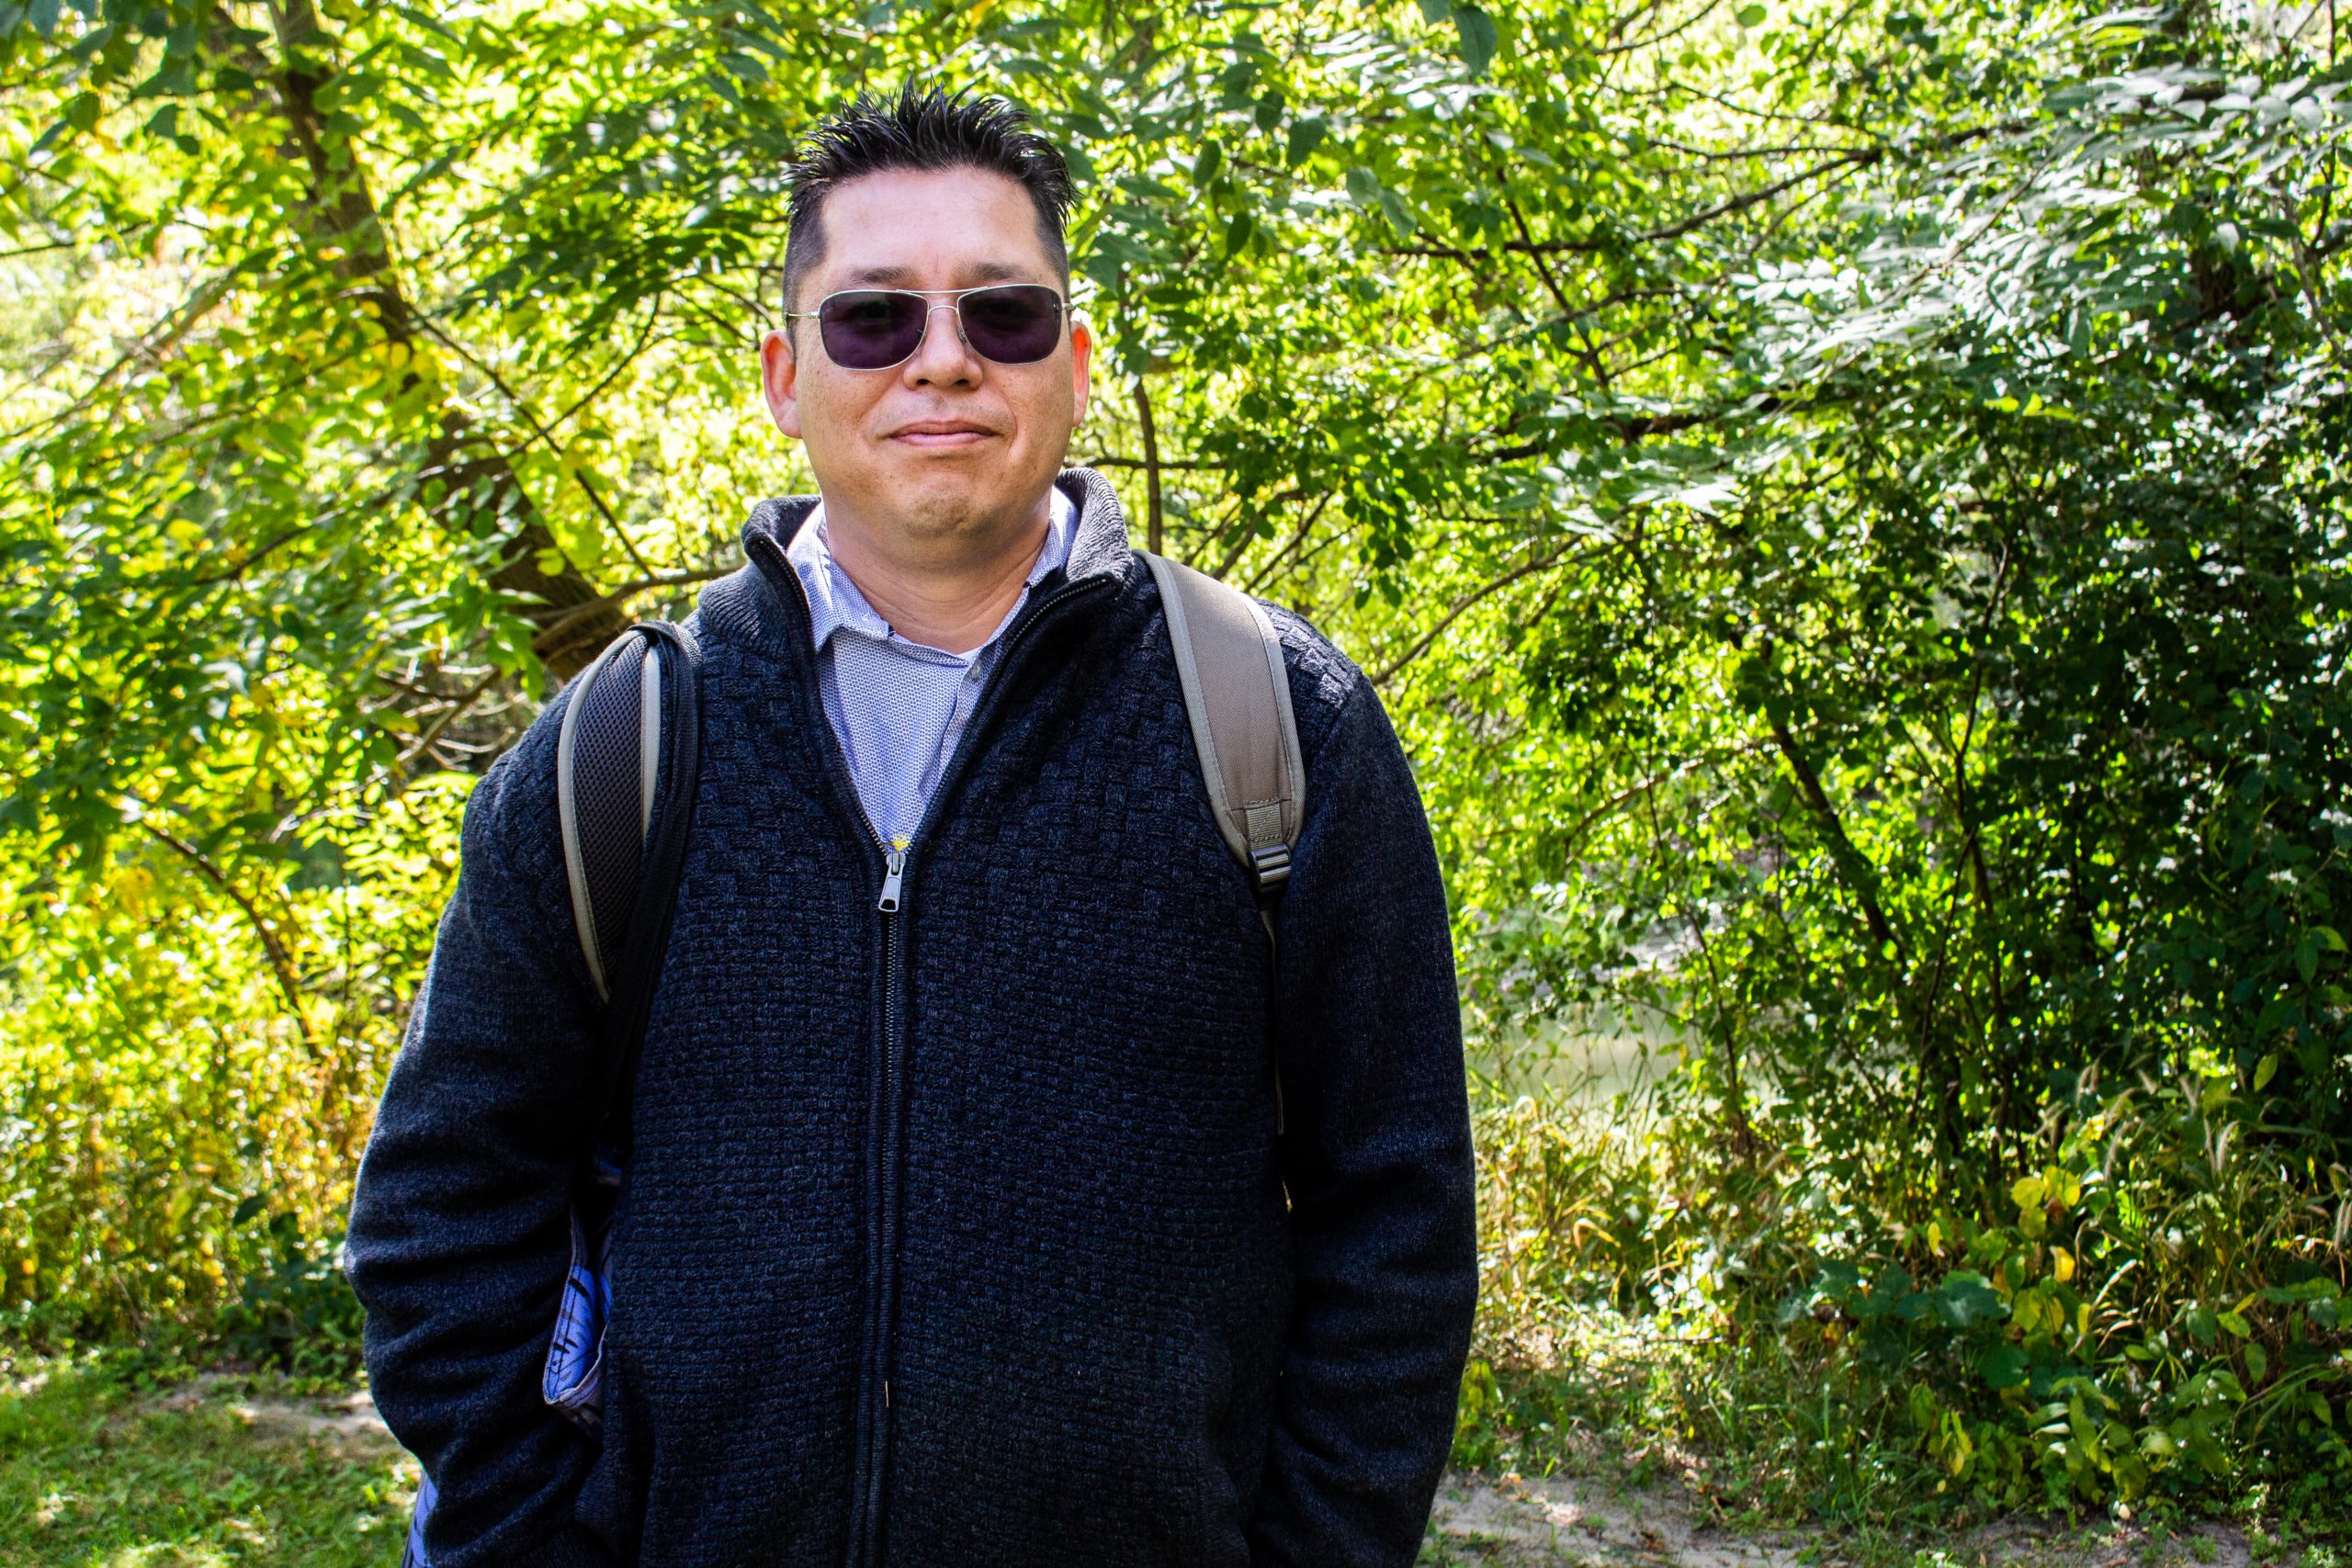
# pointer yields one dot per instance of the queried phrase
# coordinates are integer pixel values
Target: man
(959, 1232)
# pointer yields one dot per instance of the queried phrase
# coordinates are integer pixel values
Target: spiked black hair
(926, 130)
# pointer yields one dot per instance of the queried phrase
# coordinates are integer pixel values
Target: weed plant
(2152, 1319)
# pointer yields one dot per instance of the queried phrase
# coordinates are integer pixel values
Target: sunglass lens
(1017, 324)
(870, 329)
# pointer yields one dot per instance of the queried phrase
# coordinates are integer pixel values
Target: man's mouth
(942, 434)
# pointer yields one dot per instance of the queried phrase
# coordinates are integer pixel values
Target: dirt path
(350, 1419)
(1586, 1521)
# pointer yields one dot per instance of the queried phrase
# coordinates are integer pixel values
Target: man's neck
(951, 598)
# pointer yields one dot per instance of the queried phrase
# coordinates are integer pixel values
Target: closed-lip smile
(942, 431)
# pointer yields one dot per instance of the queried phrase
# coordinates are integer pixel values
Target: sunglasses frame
(952, 302)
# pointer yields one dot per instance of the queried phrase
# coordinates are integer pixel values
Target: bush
(2157, 1312)
(177, 1147)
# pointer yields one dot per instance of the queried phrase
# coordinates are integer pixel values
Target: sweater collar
(754, 607)
(834, 600)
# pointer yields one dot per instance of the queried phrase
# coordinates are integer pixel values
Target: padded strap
(597, 747)
(1237, 691)
(644, 931)
(610, 771)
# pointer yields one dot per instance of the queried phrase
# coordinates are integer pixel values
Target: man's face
(947, 446)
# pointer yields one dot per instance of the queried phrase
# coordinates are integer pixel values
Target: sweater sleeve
(1377, 1160)
(460, 1232)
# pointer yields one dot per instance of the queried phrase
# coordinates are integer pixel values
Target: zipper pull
(888, 902)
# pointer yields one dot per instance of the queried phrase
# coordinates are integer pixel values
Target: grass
(99, 1470)
(116, 1463)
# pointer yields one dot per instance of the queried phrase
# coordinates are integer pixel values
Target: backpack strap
(630, 742)
(1238, 694)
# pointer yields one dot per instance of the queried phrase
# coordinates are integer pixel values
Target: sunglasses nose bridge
(931, 308)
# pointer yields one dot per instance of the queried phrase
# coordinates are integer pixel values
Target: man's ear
(1082, 351)
(780, 381)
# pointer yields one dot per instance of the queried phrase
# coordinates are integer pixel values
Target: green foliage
(168, 1127)
(2154, 1313)
(1844, 502)
(297, 1314)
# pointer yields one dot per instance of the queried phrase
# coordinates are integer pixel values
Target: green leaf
(2257, 1362)
(1751, 16)
(1436, 11)
(1965, 1298)
(1211, 159)
(1305, 136)
(1479, 40)
(1399, 216)
(2263, 1071)
(44, 17)
(2004, 1366)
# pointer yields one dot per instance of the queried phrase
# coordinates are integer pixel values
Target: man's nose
(943, 358)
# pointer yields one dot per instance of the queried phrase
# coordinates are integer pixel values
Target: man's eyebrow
(902, 277)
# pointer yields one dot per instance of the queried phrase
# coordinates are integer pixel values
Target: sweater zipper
(882, 1280)
(875, 1418)
(881, 1285)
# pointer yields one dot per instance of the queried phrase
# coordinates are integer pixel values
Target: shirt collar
(835, 603)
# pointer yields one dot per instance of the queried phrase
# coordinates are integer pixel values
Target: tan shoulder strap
(1238, 694)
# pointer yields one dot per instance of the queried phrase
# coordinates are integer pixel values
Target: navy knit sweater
(961, 1236)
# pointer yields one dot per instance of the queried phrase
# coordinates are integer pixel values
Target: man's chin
(938, 496)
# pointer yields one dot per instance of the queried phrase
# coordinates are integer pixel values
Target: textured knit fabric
(960, 1236)
(899, 707)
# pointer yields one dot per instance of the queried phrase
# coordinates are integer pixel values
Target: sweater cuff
(574, 1546)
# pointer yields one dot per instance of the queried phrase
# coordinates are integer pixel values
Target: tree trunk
(476, 477)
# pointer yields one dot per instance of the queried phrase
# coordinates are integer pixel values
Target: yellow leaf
(2030, 1193)
(2061, 1264)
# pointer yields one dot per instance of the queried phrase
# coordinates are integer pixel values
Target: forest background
(1845, 502)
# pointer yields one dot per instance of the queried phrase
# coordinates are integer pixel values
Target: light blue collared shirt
(899, 707)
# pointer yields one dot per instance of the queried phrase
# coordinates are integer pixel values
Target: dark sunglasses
(875, 329)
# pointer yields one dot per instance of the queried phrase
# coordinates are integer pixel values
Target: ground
(1591, 1521)
(98, 1472)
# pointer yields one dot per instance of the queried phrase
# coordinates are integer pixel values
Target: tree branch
(1389, 671)
(1853, 867)
(341, 212)
(457, 709)
(279, 964)
(1150, 468)
(630, 590)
